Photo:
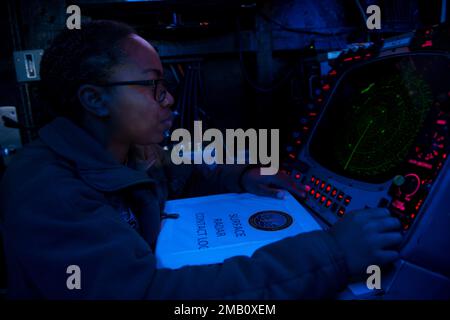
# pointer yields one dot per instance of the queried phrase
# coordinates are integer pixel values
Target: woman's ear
(93, 99)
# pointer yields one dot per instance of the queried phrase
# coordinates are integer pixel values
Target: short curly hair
(76, 57)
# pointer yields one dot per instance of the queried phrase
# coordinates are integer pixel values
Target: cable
(182, 100)
(196, 92)
(443, 11)
(361, 10)
(301, 30)
(188, 105)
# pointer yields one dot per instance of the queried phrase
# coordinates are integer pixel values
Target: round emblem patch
(270, 220)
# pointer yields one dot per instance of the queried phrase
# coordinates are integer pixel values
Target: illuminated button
(312, 192)
(313, 179)
(328, 188)
(341, 211)
(317, 195)
(307, 188)
(322, 186)
(340, 196)
(398, 204)
(297, 176)
(328, 204)
(347, 200)
(317, 182)
(322, 200)
(334, 193)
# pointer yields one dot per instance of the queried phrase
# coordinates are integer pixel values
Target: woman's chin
(154, 139)
(158, 138)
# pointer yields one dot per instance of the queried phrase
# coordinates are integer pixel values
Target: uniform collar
(94, 163)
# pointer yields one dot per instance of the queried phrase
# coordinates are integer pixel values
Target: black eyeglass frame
(147, 83)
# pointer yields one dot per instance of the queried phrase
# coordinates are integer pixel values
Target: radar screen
(378, 113)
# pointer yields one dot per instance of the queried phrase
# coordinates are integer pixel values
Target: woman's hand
(271, 186)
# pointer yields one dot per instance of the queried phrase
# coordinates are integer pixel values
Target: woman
(79, 195)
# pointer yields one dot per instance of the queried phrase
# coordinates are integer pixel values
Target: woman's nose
(168, 101)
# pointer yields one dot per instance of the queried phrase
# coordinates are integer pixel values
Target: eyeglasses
(159, 87)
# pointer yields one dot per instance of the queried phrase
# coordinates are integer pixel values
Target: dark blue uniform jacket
(65, 201)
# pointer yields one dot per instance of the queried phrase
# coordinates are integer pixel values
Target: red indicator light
(332, 73)
(312, 192)
(427, 43)
(412, 215)
(298, 142)
(399, 205)
(334, 192)
(322, 185)
(326, 87)
(307, 188)
(317, 182)
(328, 188)
(347, 200)
(348, 59)
(328, 204)
(323, 199)
(319, 100)
(317, 195)
(291, 156)
(357, 57)
(341, 211)
(444, 155)
(368, 55)
(297, 176)
(340, 195)
(418, 205)
(313, 179)
(441, 122)
(421, 164)
(312, 114)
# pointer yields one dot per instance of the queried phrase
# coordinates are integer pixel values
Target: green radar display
(373, 119)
